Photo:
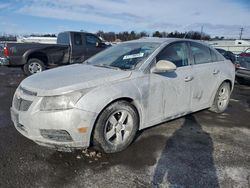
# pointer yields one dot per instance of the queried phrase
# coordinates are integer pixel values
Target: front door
(169, 93)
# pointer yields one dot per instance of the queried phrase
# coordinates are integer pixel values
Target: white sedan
(128, 87)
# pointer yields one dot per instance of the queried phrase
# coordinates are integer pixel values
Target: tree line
(126, 35)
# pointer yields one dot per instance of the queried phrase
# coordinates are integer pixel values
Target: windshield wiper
(108, 66)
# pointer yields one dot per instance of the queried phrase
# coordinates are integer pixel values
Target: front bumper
(29, 123)
(4, 61)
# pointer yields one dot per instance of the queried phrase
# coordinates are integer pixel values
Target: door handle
(188, 78)
(216, 72)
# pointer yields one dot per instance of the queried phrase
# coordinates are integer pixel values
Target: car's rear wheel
(116, 127)
(33, 66)
(221, 99)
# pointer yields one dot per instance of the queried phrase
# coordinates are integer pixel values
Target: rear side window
(216, 56)
(92, 40)
(77, 39)
(201, 53)
(176, 53)
(63, 38)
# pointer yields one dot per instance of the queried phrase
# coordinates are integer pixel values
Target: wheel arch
(127, 99)
(36, 54)
(230, 82)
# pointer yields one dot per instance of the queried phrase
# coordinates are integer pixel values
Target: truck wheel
(33, 66)
(116, 127)
(221, 99)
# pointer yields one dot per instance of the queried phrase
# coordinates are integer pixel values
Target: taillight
(5, 51)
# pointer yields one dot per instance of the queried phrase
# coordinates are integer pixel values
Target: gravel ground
(199, 150)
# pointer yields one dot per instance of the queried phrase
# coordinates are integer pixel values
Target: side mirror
(164, 66)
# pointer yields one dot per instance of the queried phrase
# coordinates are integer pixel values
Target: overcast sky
(219, 17)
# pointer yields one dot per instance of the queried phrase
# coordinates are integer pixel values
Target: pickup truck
(72, 47)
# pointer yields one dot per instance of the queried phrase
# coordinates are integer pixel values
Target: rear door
(206, 75)
(93, 45)
(78, 53)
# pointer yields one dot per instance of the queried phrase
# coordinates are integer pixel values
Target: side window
(77, 39)
(213, 56)
(200, 53)
(92, 40)
(216, 56)
(176, 53)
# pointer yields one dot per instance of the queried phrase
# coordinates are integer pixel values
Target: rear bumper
(4, 61)
(243, 73)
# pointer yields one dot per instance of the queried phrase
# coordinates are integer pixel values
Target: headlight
(61, 102)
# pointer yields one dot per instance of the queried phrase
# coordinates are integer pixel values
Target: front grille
(21, 104)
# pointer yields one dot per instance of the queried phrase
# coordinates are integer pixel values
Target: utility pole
(241, 32)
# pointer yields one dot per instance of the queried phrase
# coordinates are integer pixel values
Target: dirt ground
(199, 150)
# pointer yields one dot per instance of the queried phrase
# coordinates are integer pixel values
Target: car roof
(164, 40)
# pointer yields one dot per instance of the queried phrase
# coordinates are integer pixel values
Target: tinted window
(77, 39)
(200, 53)
(176, 53)
(92, 40)
(63, 38)
(223, 52)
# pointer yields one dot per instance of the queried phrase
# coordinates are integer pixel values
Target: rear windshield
(63, 38)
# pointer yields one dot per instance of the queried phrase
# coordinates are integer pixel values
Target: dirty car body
(59, 108)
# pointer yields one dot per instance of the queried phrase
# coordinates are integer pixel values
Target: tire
(33, 66)
(221, 99)
(116, 127)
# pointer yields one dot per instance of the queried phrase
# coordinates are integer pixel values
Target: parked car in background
(227, 54)
(72, 47)
(243, 67)
(125, 88)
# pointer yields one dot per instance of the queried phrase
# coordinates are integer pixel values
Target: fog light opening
(56, 135)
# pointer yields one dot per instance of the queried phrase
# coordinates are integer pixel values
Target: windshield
(124, 56)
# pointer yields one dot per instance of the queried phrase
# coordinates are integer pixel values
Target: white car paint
(157, 97)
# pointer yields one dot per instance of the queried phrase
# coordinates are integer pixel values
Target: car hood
(71, 78)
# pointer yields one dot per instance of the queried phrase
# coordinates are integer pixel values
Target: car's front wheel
(221, 99)
(116, 127)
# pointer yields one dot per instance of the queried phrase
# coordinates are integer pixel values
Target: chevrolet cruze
(128, 87)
